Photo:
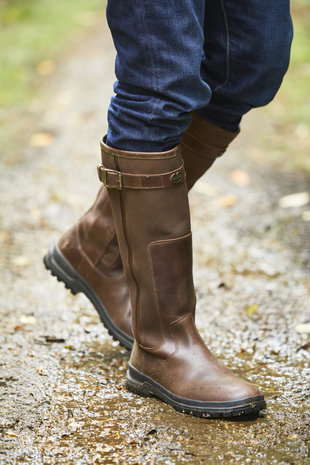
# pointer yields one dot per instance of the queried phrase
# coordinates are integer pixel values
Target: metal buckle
(105, 179)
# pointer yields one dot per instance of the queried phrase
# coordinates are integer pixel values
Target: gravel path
(66, 402)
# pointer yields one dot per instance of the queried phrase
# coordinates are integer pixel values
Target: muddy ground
(66, 402)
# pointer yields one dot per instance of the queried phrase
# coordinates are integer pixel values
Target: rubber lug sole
(145, 386)
(59, 267)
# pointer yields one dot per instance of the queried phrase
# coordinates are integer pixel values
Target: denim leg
(159, 48)
(247, 50)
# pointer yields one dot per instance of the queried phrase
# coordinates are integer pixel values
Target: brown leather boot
(149, 199)
(87, 258)
(201, 144)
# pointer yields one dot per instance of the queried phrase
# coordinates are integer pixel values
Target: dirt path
(66, 402)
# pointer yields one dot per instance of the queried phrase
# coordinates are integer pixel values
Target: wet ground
(64, 400)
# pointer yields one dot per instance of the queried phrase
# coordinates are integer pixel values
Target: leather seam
(84, 258)
(80, 248)
(180, 318)
(149, 255)
(93, 263)
(101, 258)
(161, 241)
(183, 317)
(135, 329)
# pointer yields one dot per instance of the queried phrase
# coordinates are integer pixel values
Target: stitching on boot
(135, 329)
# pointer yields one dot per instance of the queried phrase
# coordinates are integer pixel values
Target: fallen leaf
(226, 201)
(151, 432)
(304, 347)
(41, 139)
(45, 67)
(242, 352)
(223, 285)
(240, 177)
(251, 309)
(294, 200)
(55, 198)
(19, 328)
(306, 215)
(28, 320)
(303, 328)
(54, 339)
(21, 261)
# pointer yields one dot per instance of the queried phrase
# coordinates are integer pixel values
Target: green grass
(288, 140)
(31, 31)
(296, 89)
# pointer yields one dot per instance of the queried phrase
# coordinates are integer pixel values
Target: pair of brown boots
(140, 281)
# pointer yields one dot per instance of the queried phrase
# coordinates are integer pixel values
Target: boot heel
(55, 262)
(135, 385)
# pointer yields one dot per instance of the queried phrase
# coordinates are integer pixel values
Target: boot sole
(59, 267)
(143, 385)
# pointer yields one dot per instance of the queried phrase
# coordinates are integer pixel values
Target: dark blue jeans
(220, 57)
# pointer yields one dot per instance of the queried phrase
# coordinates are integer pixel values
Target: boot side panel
(155, 216)
(171, 264)
(142, 216)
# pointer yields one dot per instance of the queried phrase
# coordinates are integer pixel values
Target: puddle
(92, 418)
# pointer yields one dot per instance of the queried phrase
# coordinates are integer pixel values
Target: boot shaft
(150, 205)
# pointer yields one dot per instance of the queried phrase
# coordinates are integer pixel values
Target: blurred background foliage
(35, 32)
(32, 31)
(287, 142)
(34, 35)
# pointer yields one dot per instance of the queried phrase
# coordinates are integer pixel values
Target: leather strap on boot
(113, 179)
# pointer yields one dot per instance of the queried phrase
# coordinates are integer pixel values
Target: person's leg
(87, 257)
(246, 54)
(158, 69)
